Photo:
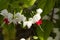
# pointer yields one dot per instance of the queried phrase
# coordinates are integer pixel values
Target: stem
(52, 14)
(21, 11)
(41, 28)
(2, 24)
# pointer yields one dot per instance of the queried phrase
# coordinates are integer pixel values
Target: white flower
(18, 18)
(23, 18)
(50, 38)
(10, 17)
(56, 30)
(4, 12)
(46, 17)
(35, 37)
(56, 16)
(39, 10)
(36, 18)
(56, 10)
(28, 23)
(7, 15)
(22, 39)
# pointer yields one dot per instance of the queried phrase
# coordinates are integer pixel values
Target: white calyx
(4, 12)
(39, 10)
(28, 23)
(36, 18)
(18, 18)
(22, 39)
(7, 15)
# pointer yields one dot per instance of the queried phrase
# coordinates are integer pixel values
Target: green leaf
(1, 19)
(15, 4)
(45, 5)
(3, 4)
(57, 4)
(9, 32)
(22, 4)
(12, 31)
(41, 3)
(47, 27)
(28, 3)
(5, 32)
(48, 7)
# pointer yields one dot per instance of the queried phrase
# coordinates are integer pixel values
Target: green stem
(21, 11)
(2, 24)
(41, 28)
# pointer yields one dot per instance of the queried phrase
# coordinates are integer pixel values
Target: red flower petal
(6, 20)
(39, 22)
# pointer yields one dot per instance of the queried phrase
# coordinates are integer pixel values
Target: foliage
(29, 9)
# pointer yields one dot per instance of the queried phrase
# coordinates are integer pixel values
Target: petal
(55, 30)
(56, 10)
(22, 39)
(20, 17)
(10, 15)
(46, 17)
(39, 22)
(17, 15)
(23, 18)
(4, 12)
(6, 20)
(50, 38)
(56, 16)
(36, 18)
(39, 10)
(14, 21)
(29, 24)
(30, 19)
(24, 24)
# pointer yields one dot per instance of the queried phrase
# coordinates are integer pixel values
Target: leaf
(3, 4)
(57, 4)
(15, 4)
(12, 31)
(9, 32)
(22, 4)
(47, 26)
(48, 7)
(1, 19)
(41, 3)
(5, 32)
(29, 3)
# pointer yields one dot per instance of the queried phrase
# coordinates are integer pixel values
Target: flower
(46, 17)
(36, 18)
(28, 23)
(35, 37)
(50, 38)
(22, 39)
(39, 22)
(4, 12)
(56, 10)
(39, 10)
(18, 18)
(7, 16)
(55, 15)
(6, 20)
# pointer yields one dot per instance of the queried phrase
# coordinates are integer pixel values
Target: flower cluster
(18, 18)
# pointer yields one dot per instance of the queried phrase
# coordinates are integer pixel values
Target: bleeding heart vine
(18, 18)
